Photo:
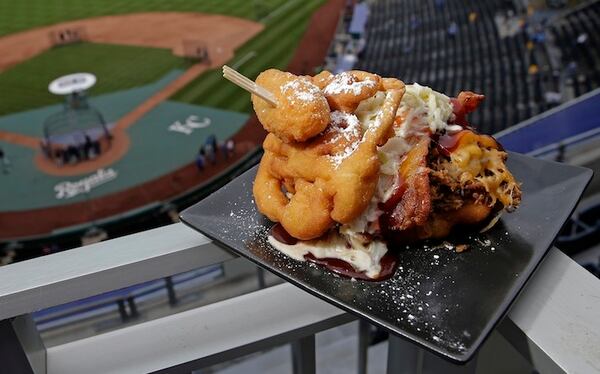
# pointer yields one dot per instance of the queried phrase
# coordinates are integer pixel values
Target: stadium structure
(160, 130)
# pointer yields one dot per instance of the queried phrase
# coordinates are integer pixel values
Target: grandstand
(566, 29)
(410, 39)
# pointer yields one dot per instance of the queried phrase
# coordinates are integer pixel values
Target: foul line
(243, 60)
(276, 11)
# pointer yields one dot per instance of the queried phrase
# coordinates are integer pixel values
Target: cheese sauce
(351, 259)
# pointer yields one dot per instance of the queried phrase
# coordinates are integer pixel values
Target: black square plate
(447, 302)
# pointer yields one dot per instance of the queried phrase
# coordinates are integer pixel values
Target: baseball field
(284, 21)
(159, 102)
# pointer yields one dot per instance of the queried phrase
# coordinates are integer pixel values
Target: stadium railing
(553, 323)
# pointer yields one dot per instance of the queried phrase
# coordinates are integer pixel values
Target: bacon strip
(465, 103)
(410, 205)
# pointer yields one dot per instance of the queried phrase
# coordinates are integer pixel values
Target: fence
(554, 323)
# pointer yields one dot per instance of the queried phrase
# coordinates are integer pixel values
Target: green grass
(23, 15)
(25, 86)
(274, 47)
(119, 67)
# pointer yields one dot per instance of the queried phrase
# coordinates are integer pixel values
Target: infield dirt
(220, 34)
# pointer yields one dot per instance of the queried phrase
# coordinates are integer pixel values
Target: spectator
(210, 153)
(553, 97)
(65, 156)
(452, 30)
(230, 146)
(87, 147)
(529, 45)
(472, 17)
(73, 153)
(81, 150)
(539, 36)
(223, 150)
(96, 147)
(5, 162)
(79, 140)
(530, 10)
(533, 69)
(212, 140)
(200, 162)
(45, 149)
(571, 69)
(414, 22)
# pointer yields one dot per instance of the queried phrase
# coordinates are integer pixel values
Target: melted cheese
(477, 158)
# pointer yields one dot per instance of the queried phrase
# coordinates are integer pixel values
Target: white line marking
(276, 11)
(243, 60)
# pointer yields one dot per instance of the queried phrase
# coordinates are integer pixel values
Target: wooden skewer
(248, 85)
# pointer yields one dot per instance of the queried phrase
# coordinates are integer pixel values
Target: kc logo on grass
(191, 123)
(67, 190)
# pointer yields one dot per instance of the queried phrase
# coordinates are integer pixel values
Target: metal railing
(554, 323)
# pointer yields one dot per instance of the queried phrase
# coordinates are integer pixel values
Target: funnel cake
(362, 161)
(329, 178)
(302, 111)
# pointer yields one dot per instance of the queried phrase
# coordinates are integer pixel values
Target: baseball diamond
(173, 128)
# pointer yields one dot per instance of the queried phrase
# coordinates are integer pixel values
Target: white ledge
(86, 271)
(197, 333)
(554, 321)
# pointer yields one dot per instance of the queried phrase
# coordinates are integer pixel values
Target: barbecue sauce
(448, 143)
(282, 236)
(388, 263)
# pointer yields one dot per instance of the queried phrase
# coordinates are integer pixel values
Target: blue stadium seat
(409, 39)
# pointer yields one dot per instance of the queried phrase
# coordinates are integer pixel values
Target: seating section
(586, 55)
(411, 39)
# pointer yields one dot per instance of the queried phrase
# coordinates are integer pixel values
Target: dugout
(78, 132)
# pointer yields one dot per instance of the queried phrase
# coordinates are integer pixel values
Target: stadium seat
(477, 58)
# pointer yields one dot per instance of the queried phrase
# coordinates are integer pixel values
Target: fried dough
(302, 111)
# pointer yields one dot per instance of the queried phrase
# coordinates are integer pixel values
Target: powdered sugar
(302, 90)
(346, 83)
(347, 126)
(338, 158)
